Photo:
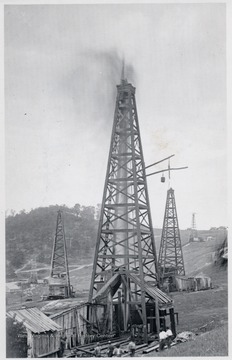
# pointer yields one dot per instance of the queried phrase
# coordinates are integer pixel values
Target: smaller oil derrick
(59, 281)
(171, 260)
(193, 236)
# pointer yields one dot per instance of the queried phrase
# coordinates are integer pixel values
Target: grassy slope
(204, 310)
(205, 313)
(210, 306)
(198, 256)
(212, 343)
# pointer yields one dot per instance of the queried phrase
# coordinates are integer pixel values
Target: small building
(59, 288)
(191, 283)
(12, 287)
(210, 238)
(75, 324)
(43, 334)
(201, 282)
(183, 283)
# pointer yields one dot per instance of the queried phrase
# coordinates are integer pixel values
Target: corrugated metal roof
(34, 320)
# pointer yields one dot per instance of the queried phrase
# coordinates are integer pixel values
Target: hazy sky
(62, 65)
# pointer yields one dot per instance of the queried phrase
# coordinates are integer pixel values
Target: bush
(16, 339)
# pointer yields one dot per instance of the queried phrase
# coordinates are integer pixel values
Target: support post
(119, 312)
(157, 317)
(172, 321)
(152, 321)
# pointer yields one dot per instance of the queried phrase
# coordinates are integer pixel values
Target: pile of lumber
(88, 349)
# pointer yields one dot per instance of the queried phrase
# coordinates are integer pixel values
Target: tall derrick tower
(125, 262)
(171, 260)
(59, 281)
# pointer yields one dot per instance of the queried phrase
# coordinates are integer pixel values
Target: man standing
(162, 339)
(169, 336)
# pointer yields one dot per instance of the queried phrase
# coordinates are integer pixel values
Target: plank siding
(43, 345)
(74, 324)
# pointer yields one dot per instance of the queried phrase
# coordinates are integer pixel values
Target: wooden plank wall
(70, 324)
(44, 343)
(74, 326)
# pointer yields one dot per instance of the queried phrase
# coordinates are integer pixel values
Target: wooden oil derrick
(193, 236)
(125, 262)
(59, 281)
(170, 260)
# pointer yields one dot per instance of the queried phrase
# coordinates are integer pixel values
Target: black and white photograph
(116, 179)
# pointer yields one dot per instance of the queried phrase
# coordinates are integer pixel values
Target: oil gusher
(125, 274)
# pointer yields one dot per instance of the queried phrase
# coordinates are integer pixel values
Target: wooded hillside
(30, 235)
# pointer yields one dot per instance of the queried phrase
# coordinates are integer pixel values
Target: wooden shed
(183, 283)
(43, 334)
(202, 282)
(75, 324)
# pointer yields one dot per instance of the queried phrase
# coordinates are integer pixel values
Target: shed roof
(200, 275)
(154, 292)
(106, 287)
(34, 320)
(182, 277)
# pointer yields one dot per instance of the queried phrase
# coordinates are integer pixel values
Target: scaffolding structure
(171, 260)
(59, 281)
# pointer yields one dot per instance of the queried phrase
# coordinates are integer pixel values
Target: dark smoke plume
(112, 64)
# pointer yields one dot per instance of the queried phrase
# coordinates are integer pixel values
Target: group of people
(115, 351)
(165, 338)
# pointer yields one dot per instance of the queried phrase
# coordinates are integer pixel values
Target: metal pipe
(159, 161)
(161, 171)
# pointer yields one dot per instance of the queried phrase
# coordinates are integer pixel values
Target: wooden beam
(157, 315)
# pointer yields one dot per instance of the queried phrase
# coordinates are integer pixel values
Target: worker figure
(97, 350)
(162, 339)
(62, 344)
(131, 347)
(82, 338)
(118, 351)
(110, 349)
(169, 336)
